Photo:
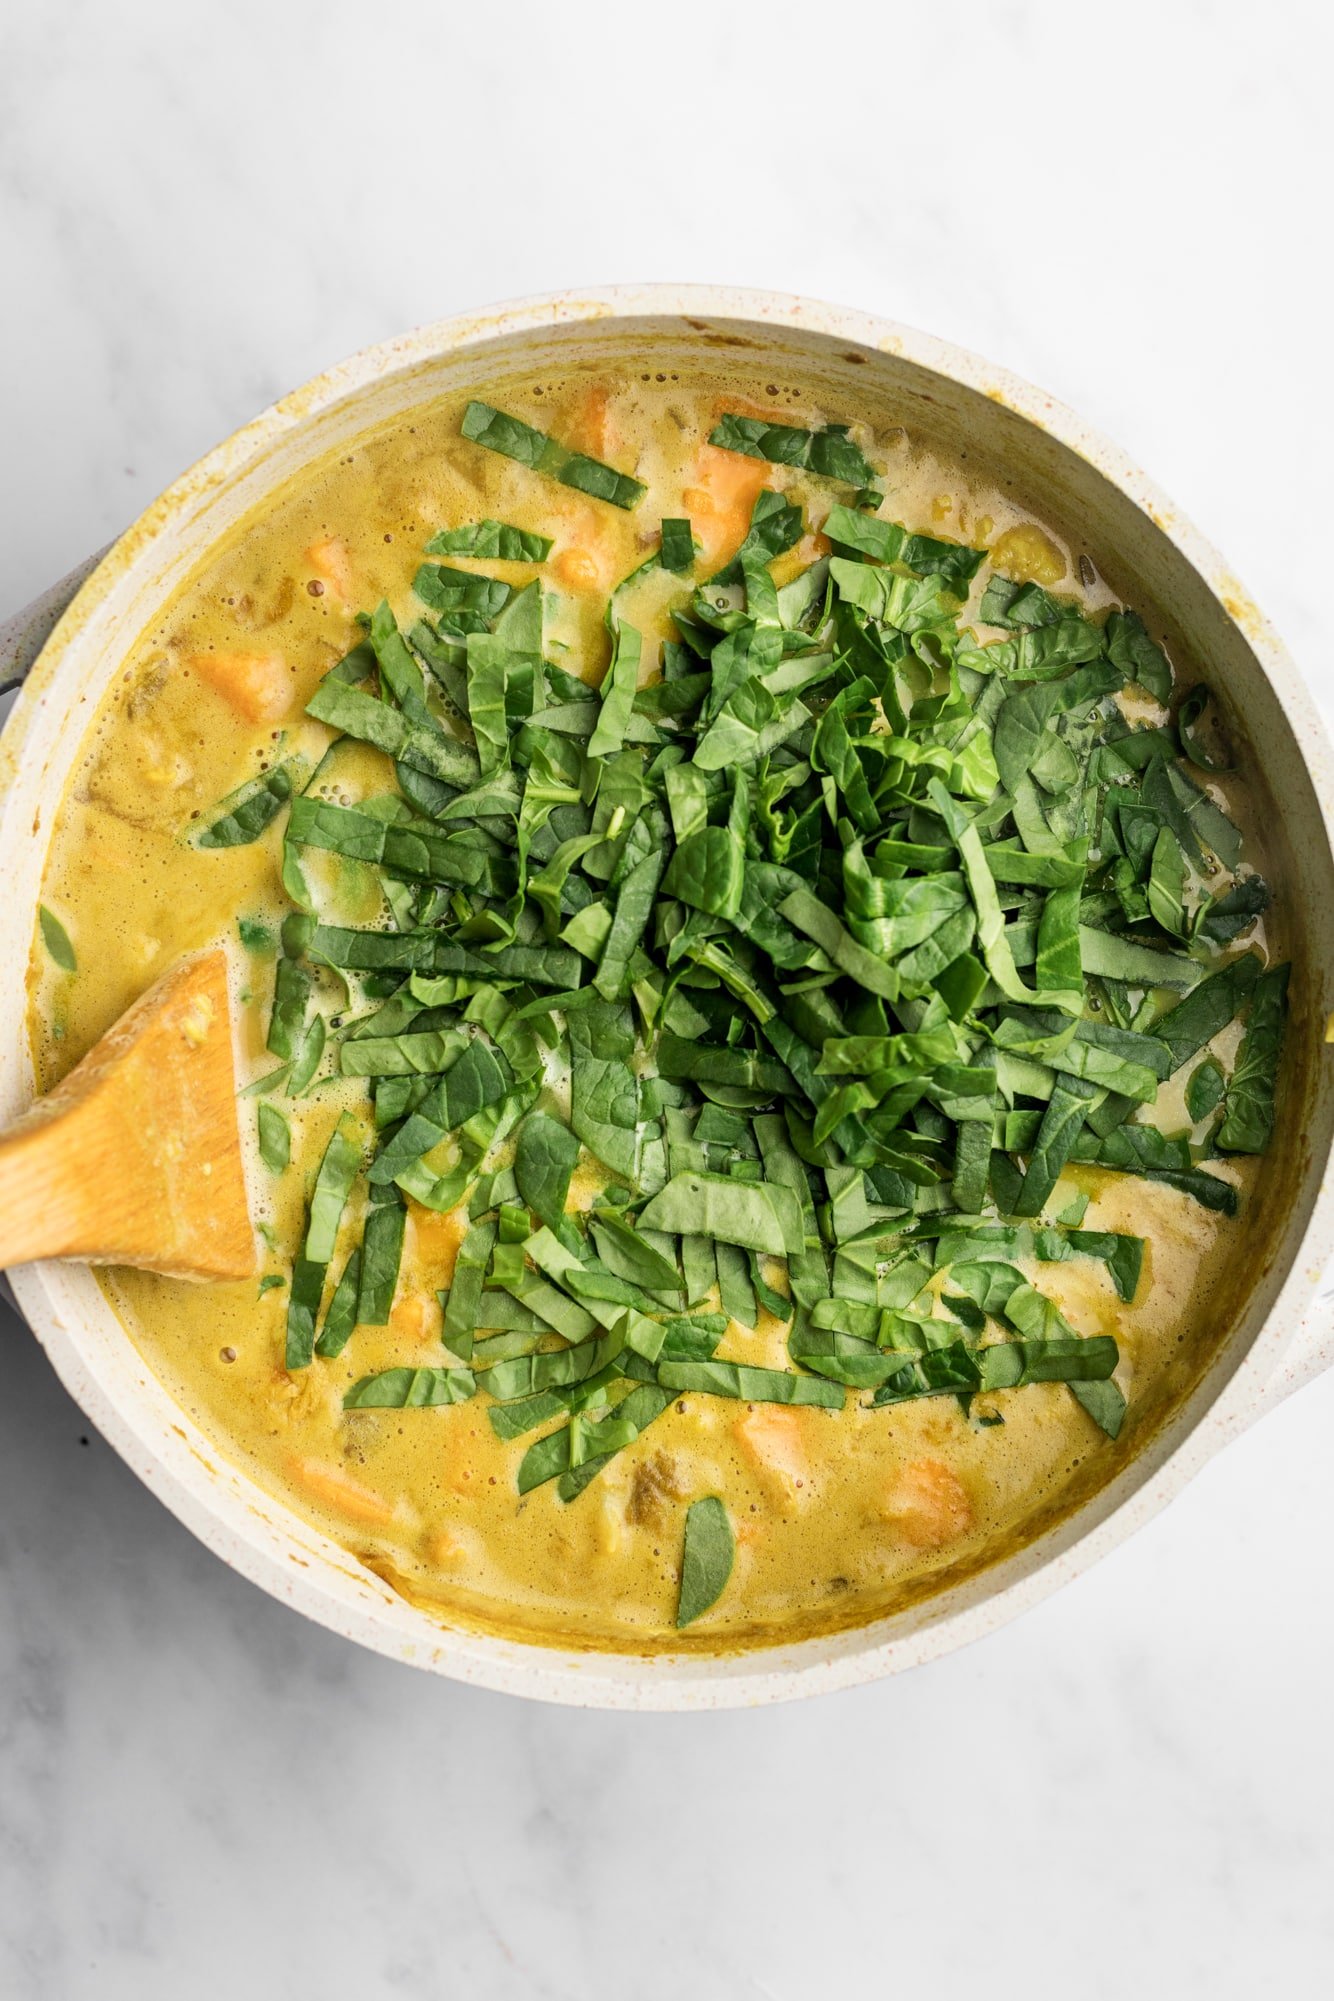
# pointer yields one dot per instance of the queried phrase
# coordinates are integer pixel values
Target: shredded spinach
(493, 539)
(57, 940)
(502, 433)
(249, 811)
(840, 931)
(706, 1558)
(830, 452)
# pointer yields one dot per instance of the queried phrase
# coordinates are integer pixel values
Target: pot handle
(23, 636)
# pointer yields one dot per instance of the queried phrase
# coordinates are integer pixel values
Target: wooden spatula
(135, 1157)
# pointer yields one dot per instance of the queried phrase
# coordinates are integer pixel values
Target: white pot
(1282, 1335)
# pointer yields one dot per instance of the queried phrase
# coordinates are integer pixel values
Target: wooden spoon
(135, 1157)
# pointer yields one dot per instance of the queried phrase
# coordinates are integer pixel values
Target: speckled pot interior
(956, 401)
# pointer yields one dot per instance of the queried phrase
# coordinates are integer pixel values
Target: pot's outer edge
(1293, 1343)
(23, 635)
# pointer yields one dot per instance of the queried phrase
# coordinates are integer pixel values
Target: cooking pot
(67, 647)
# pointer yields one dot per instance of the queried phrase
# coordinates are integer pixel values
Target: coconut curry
(758, 999)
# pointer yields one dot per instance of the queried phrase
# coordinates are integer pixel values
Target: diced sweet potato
(335, 1489)
(719, 500)
(258, 686)
(416, 1316)
(771, 1439)
(577, 569)
(443, 1549)
(928, 1504)
(586, 560)
(591, 428)
(332, 566)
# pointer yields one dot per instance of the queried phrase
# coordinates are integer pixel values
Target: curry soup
(755, 1002)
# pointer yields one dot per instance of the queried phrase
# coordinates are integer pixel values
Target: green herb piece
(275, 1139)
(1123, 1256)
(410, 1389)
(804, 910)
(544, 1160)
(1130, 648)
(1225, 917)
(750, 1214)
(908, 604)
(341, 1318)
(1109, 956)
(751, 1385)
(775, 524)
(678, 547)
(463, 1304)
(303, 1306)
(617, 693)
(632, 1256)
(706, 1558)
(307, 1051)
(56, 939)
(829, 452)
(1166, 885)
(422, 746)
(1205, 1089)
(425, 950)
(467, 603)
(381, 1250)
(422, 1055)
(604, 1088)
(1196, 821)
(1199, 1018)
(254, 807)
(529, 1374)
(1248, 1122)
(494, 540)
(413, 849)
(1036, 1318)
(254, 935)
(890, 542)
(512, 1420)
(602, 1440)
(499, 432)
(333, 1184)
(1013, 605)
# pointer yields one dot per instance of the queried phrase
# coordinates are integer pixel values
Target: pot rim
(614, 1680)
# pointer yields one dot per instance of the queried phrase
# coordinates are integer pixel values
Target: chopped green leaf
(500, 432)
(706, 1559)
(410, 1389)
(56, 939)
(275, 1139)
(495, 540)
(250, 811)
(829, 452)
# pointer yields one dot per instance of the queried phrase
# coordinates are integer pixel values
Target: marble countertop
(1128, 1790)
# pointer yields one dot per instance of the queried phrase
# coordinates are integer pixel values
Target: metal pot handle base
(23, 636)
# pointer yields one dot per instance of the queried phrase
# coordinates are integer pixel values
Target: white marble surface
(1127, 1792)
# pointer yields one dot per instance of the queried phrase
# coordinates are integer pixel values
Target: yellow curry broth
(839, 1516)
